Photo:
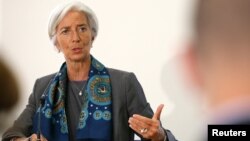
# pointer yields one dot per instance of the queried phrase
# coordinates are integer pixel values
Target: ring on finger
(144, 130)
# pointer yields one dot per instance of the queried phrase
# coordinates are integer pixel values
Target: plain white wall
(140, 36)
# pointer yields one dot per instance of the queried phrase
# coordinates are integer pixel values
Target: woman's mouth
(77, 50)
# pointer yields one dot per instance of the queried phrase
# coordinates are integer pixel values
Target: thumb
(157, 114)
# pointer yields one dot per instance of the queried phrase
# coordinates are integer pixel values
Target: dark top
(74, 104)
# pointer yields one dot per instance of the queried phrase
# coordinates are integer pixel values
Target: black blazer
(127, 99)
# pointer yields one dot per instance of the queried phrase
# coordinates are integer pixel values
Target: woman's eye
(64, 32)
(82, 29)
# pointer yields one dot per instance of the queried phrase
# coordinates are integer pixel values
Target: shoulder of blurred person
(9, 91)
(8, 87)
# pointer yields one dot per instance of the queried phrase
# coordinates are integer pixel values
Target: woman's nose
(75, 37)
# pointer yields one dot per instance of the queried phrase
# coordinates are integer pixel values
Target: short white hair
(60, 11)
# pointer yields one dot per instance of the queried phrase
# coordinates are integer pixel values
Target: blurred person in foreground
(219, 59)
(85, 100)
(9, 92)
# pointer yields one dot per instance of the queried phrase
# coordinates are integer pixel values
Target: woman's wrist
(161, 135)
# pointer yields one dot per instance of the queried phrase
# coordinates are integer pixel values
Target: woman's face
(73, 36)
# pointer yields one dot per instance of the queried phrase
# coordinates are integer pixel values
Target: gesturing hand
(148, 128)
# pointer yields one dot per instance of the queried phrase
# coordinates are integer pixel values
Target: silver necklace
(80, 90)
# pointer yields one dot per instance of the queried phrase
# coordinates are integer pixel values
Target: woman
(85, 100)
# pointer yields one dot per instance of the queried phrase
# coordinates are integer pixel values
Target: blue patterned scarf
(95, 121)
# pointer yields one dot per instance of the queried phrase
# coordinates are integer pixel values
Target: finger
(137, 123)
(143, 119)
(137, 129)
(157, 114)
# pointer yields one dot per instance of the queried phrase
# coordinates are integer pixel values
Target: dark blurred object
(9, 90)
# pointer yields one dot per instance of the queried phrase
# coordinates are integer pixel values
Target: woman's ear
(92, 40)
(57, 47)
(191, 65)
(55, 43)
